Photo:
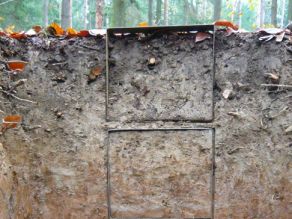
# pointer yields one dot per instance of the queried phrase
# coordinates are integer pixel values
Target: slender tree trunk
(186, 12)
(150, 12)
(98, 14)
(66, 17)
(217, 9)
(290, 11)
(46, 12)
(239, 12)
(205, 10)
(165, 12)
(197, 11)
(274, 13)
(261, 16)
(118, 13)
(85, 13)
(283, 12)
(158, 11)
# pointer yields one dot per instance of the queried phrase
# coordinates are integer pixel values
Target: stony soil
(54, 164)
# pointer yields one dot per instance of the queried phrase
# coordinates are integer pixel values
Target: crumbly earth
(165, 78)
(54, 164)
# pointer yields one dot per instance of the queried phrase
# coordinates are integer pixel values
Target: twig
(285, 86)
(16, 97)
(6, 2)
(60, 63)
(88, 47)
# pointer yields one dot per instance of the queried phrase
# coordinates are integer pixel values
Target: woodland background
(16, 15)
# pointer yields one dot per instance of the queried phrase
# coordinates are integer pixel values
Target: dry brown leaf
(18, 36)
(201, 36)
(279, 37)
(83, 33)
(56, 29)
(3, 33)
(11, 121)
(271, 31)
(94, 73)
(226, 23)
(72, 32)
(16, 65)
(37, 28)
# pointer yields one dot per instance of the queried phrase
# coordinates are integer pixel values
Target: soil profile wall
(54, 164)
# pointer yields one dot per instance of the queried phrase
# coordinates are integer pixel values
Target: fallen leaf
(279, 37)
(143, 24)
(289, 129)
(11, 121)
(266, 38)
(16, 65)
(230, 31)
(83, 33)
(201, 36)
(227, 93)
(55, 29)
(18, 36)
(30, 32)
(3, 33)
(271, 31)
(72, 32)
(226, 23)
(94, 73)
(37, 28)
(272, 76)
(95, 32)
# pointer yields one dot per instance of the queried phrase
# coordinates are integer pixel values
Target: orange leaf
(57, 29)
(201, 36)
(83, 33)
(18, 36)
(16, 65)
(71, 32)
(37, 28)
(143, 24)
(226, 23)
(3, 33)
(11, 121)
(94, 73)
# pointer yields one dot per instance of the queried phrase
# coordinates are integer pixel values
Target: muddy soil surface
(54, 164)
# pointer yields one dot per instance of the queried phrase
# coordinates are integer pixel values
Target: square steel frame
(212, 186)
(133, 30)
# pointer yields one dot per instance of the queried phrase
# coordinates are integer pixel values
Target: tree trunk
(261, 13)
(98, 14)
(166, 12)
(158, 11)
(186, 12)
(85, 13)
(290, 11)
(118, 13)
(217, 9)
(274, 13)
(283, 12)
(150, 12)
(66, 17)
(46, 13)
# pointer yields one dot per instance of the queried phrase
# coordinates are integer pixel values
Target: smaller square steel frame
(186, 28)
(212, 186)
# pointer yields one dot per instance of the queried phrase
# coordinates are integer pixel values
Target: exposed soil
(54, 164)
